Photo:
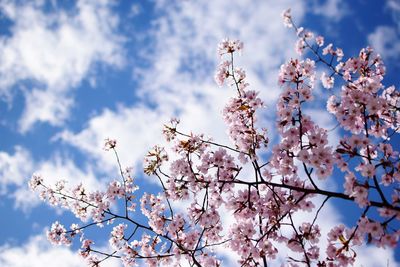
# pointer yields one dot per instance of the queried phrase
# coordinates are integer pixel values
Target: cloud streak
(385, 40)
(17, 168)
(38, 252)
(55, 51)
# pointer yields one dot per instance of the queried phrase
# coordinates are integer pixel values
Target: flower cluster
(154, 159)
(58, 235)
(153, 208)
(302, 138)
(239, 113)
(109, 144)
(340, 241)
(363, 99)
(287, 18)
(229, 46)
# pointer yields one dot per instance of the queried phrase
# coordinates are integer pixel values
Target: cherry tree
(255, 214)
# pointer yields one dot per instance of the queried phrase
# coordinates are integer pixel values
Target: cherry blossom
(327, 81)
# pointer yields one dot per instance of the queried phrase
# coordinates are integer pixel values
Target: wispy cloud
(386, 41)
(334, 10)
(135, 128)
(17, 168)
(14, 168)
(56, 51)
(394, 7)
(38, 252)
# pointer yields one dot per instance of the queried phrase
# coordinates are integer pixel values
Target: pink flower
(35, 181)
(109, 144)
(229, 46)
(300, 45)
(222, 72)
(319, 40)
(339, 53)
(327, 81)
(58, 235)
(287, 18)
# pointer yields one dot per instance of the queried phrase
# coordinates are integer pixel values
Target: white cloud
(38, 252)
(55, 50)
(16, 169)
(135, 10)
(334, 10)
(44, 106)
(394, 7)
(386, 41)
(376, 257)
(136, 130)
(327, 121)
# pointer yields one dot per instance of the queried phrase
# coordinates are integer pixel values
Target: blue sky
(74, 73)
